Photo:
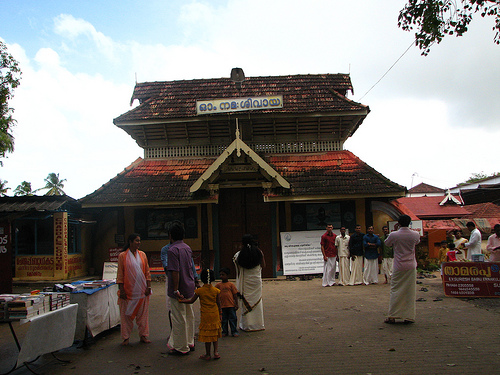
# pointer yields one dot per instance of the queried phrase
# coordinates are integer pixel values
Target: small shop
(43, 238)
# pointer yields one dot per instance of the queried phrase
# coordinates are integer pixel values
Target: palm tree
(3, 188)
(54, 185)
(23, 190)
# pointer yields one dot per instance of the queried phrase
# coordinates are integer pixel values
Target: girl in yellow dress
(210, 326)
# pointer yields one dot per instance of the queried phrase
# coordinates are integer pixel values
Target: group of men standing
(357, 256)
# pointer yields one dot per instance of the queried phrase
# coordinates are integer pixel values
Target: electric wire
(388, 70)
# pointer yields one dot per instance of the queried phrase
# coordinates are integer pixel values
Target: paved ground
(309, 330)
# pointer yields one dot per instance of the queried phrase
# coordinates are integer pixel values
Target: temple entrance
(243, 211)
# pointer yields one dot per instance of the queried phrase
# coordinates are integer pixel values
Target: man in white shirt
(474, 244)
(342, 243)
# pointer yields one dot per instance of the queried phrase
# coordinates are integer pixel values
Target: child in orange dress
(210, 326)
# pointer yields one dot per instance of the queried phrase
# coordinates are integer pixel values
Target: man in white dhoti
(404, 276)
(387, 256)
(342, 244)
(371, 244)
(329, 251)
(357, 254)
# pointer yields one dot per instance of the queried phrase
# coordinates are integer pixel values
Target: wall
(379, 220)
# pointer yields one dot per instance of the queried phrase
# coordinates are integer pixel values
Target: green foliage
(24, 189)
(475, 177)
(10, 76)
(434, 19)
(3, 188)
(53, 185)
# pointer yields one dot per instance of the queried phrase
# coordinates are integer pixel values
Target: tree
(434, 19)
(54, 185)
(24, 189)
(475, 177)
(3, 188)
(10, 76)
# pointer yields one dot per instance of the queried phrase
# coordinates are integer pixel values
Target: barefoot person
(210, 326)
(404, 276)
(134, 282)
(249, 262)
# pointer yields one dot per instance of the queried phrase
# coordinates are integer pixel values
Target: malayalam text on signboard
(471, 279)
(205, 107)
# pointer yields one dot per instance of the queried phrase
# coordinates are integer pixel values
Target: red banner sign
(113, 253)
(471, 279)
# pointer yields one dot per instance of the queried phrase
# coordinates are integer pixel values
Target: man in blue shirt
(371, 244)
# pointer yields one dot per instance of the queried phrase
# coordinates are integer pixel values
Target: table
(98, 310)
(47, 333)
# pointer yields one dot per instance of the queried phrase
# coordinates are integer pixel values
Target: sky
(433, 119)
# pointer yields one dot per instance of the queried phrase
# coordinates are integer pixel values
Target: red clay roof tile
(331, 173)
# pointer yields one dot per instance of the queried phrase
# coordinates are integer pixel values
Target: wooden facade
(256, 169)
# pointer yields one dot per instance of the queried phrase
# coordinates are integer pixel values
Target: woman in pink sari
(134, 281)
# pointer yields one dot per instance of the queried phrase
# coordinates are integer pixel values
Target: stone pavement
(309, 330)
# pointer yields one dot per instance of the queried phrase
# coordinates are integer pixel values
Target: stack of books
(58, 299)
(4, 298)
(25, 307)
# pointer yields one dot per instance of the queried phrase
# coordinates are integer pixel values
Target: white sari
(249, 285)
(137, 281)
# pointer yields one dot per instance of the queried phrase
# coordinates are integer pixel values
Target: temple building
(229, 156)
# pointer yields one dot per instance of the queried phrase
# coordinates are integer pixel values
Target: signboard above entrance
(204, 107)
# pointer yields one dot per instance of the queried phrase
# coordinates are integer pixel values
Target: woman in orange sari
(134, 281)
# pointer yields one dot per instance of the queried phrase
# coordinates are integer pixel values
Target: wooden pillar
(205, 242)
(5, 258)
(60, 245)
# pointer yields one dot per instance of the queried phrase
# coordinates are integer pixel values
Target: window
(315, 216)
(153, 223)
(74, 236)
(34, 236)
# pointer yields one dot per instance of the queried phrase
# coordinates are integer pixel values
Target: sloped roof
(428, 208)
(167, 180)
(483, 210)
(483, 193)
(338, 172)
(423, 188)
(49, 203)
(307, 93)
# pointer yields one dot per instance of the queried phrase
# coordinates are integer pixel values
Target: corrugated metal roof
(36, 203)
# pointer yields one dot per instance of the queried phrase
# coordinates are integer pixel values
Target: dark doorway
(243, 211)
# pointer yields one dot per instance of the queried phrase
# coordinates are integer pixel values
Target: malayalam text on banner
(301, 252)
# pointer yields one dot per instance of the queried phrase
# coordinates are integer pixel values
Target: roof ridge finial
(238, 139)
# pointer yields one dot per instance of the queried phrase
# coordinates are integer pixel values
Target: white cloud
(64, 125)
(72, 28)
(427, 113)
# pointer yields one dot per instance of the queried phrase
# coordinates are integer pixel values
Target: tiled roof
(339, 172)
(163, 181)
(428, 208)
(483, 210)
(151, 181)
(301, 94)
(425, 188)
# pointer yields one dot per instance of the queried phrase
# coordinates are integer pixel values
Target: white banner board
(109, 271)
(301, 252)
(415, 225)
